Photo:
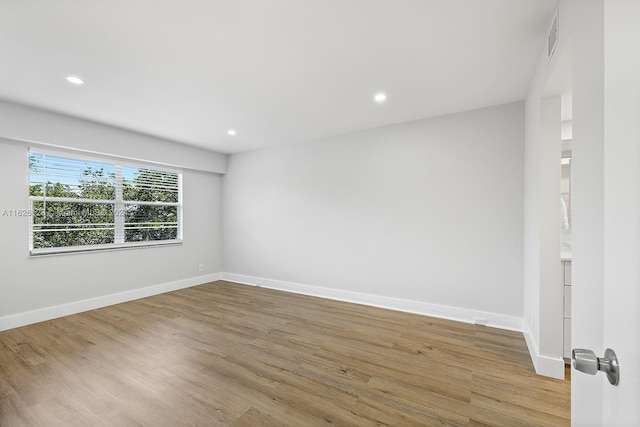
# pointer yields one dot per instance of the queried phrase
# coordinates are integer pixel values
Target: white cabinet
(566, 286)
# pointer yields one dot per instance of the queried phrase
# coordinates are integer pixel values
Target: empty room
(312, 212)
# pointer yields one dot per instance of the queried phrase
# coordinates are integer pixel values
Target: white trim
(21, 319)
(494, 320)
(64, 250)
(544, 365)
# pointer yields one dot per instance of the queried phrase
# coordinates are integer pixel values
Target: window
(80, 204)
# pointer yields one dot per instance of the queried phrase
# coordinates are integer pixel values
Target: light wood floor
(227, 354)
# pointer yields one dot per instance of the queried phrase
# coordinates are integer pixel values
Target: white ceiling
(276, 71)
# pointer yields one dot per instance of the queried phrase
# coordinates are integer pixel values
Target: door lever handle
(586, 361)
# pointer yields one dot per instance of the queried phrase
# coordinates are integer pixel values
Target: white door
(606, 165)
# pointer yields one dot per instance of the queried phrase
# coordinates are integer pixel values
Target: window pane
(121, 204)
(62, 224)
(147, 185)
(149, 223)
(56, 176)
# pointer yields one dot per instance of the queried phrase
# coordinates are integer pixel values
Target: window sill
(100, 248)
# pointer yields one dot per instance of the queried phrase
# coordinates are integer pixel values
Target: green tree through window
(78, 203)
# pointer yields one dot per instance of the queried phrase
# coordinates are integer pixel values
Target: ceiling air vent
(552, 39)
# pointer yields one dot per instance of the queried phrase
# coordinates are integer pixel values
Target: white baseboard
(544, 365)
(21, 319)
(494, 320)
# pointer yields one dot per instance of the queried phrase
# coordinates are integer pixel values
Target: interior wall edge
(544, 365)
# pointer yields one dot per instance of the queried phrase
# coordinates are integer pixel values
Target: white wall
(551, 291)
(38, 288)
(588, 196)
(427, 212)
(542, 273)
(621, 296)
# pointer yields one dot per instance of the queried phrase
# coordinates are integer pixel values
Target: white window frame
(119, 205)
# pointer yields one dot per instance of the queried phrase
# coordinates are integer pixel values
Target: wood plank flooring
(228, 354)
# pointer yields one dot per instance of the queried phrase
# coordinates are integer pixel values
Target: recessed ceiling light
(231, 132)
(75, 80)
(380, 97)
